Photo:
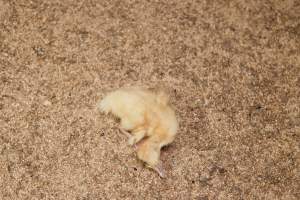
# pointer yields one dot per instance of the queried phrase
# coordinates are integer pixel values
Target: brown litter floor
(232, 69)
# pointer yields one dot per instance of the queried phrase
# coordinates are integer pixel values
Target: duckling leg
(137, 135)
(134, 137)
(125, 132)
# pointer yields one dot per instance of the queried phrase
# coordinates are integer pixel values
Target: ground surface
(231, 68)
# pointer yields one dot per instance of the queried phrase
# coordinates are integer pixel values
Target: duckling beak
(159, 169)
